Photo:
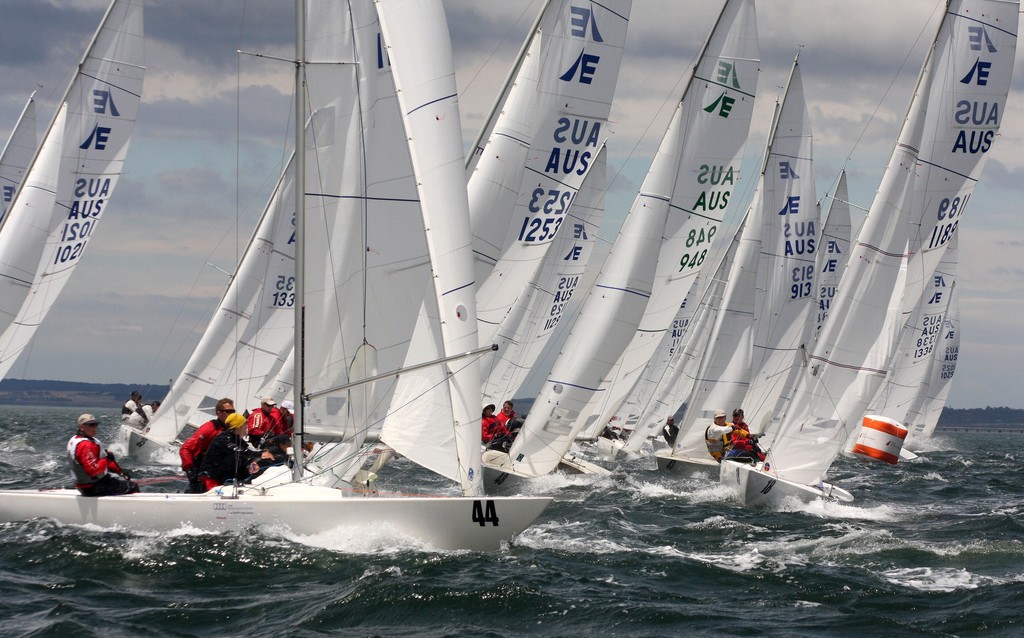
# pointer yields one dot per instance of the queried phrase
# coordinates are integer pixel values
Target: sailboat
(770, 283)
(17, 154)
(951, 123)
(359, 180)
(665, 238)
(71, 178)
(545, 143)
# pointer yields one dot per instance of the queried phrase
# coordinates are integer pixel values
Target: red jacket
(89, 460)
(193, 450)
(260, 423)
(491, 427)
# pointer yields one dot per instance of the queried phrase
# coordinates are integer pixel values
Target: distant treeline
(73, 393)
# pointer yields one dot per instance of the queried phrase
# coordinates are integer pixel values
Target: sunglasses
(225, 411)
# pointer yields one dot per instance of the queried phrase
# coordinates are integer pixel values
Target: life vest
(81, 476)
(718, 445)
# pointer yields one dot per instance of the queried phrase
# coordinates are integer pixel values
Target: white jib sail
(72, 177)
(924, 415)
(834, 250)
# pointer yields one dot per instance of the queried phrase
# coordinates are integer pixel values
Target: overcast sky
(213, 133)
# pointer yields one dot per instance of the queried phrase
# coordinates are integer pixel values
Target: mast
(300, 244)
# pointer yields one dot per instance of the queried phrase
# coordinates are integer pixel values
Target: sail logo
(97, 139)
(586, 65)
(727, 74)
(786, 170)
(101, 100)
(578, 232)
(792, 206)
(723, 105)
(580, 19)
(977, 37)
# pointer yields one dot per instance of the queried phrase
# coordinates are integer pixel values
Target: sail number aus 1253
(553, 203)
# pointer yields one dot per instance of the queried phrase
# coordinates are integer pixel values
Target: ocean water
(933, 547)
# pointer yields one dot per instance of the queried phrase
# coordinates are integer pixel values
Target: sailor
(265, 422)
(95, 470)
(492, 432)
(228, 456)
(717, 435)
(670, 431)
(508, 418)
(737, 420)
(287, 417)
(194, 448)
(132, 410)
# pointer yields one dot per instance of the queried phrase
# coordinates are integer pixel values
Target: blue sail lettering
(976, 113)
(979, 142)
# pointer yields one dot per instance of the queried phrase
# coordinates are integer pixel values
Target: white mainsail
(952, 121)
(578, 71)
(681, 201)
(715, 123)
(69, 184)
(526, 330)
(17, 155)
(786, 281)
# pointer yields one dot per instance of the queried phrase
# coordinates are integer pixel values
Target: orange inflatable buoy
(880, 439)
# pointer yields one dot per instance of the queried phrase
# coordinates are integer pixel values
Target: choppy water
(931, 548)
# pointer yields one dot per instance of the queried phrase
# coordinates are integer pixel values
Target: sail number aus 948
(694, 239)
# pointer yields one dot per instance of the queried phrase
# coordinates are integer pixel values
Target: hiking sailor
(95, 470)
(717, 435)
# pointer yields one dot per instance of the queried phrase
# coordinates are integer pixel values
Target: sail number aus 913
(553, 203)
(484, 513)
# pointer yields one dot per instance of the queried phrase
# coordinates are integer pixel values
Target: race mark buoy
(880, 439)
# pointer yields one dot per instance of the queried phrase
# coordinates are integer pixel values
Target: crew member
(95, 470)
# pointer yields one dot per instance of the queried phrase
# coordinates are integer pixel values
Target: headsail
(71, 179)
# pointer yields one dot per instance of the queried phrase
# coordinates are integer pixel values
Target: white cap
(287, 405)
(719, 413)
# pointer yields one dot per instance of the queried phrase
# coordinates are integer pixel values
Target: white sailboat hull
(446, 523)
(756, 488)
(685, 465)
(500, 476)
